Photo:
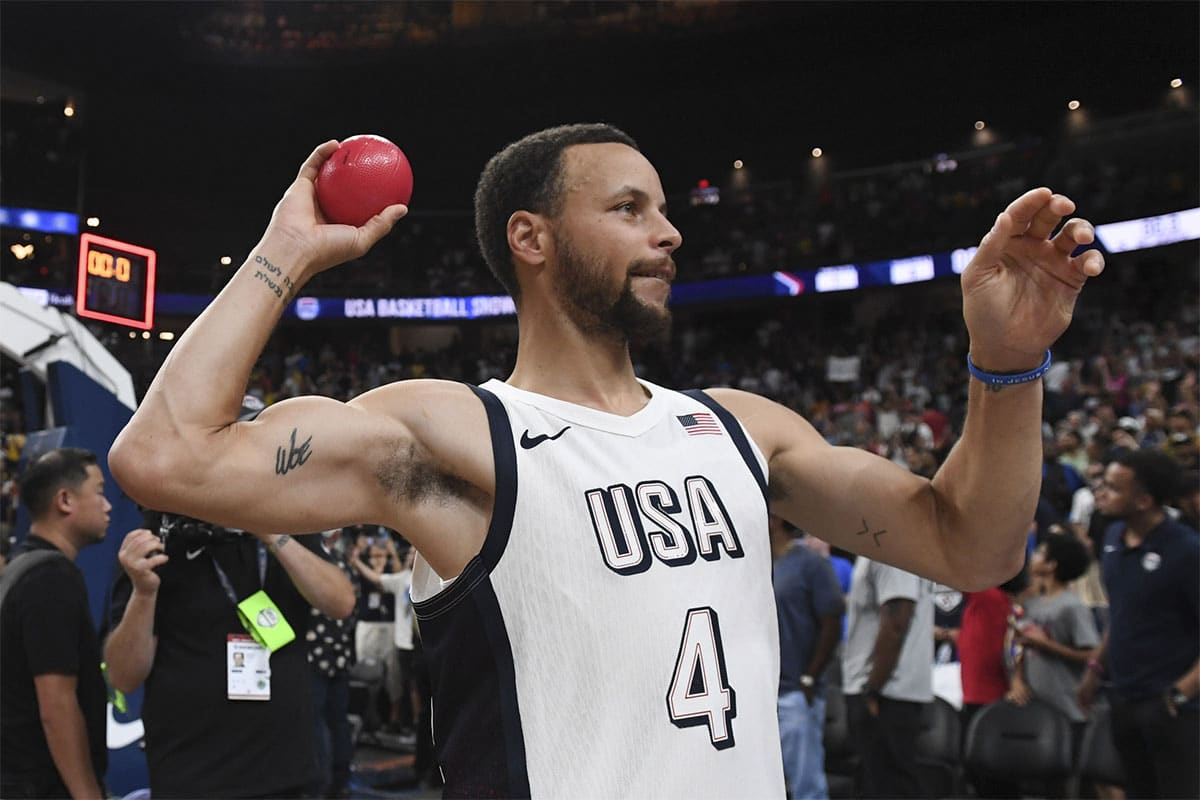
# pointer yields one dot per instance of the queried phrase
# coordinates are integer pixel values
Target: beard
(601, 309)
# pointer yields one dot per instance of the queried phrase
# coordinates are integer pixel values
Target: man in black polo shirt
(1151, 568)
(52, 704)
(212, 729)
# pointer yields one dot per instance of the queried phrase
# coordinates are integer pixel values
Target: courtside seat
(1030, 744)
(939, 750)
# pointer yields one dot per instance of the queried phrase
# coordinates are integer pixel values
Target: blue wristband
(1010, 379)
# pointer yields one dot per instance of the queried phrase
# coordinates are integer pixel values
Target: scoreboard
(115, 282)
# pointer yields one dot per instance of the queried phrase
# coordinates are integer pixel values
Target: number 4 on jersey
(700, 693)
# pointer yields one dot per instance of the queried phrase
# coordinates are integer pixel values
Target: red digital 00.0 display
(115, 282)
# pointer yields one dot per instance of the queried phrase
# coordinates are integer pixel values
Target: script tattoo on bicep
(275, 280)
(866, 530)
(294, 456)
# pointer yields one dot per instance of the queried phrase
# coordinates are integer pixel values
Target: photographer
(213, 724)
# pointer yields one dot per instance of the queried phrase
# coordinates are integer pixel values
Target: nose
(669, 237)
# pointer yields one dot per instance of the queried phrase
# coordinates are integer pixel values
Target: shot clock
(115, 282)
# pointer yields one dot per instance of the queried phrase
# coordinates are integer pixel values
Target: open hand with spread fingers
(1019, 290)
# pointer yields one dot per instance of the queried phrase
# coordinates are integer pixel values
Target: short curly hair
(527, 176)
(1070, 556)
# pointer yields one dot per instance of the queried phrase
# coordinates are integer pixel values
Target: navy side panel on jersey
(476, 718)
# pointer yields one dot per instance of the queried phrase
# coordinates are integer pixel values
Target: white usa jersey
(616, 636)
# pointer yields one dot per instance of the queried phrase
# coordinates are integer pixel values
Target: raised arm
(309, 463)
(130, 647)
(967, 526)
(322, 583)
(366, 570)
(184, 450)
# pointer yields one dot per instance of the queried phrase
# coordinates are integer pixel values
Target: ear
(64, 501)
(529, 237)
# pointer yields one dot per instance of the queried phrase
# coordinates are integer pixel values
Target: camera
(177, 531)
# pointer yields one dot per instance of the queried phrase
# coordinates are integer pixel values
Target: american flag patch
(700, 423)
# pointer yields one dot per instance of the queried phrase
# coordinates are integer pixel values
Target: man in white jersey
(594, 577)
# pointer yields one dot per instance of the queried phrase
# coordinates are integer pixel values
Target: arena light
(817, 152)
(1073, 105)
(980, 125)
(166, 336)
(93, 222)
(738, 164)
(226, 261)
(1176, 83)
(22, 251)
(69, 109)
(960, 258)
(1139, 234)
(32, 219)
(145, 334)
(837, 279)
(911, 270)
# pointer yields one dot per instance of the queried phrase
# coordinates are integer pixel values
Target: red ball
(365, 175)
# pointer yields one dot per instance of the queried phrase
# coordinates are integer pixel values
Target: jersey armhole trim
(737, 434)
(504, 455)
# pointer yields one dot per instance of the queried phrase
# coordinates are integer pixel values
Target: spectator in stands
(1058, 633)
(842, 566)
(330, 643)
(809, 603)
(1083, 502)
(1151, 649)
(1059, 479)
(1071, 450)
(375, 634)
(1088, 525)
(887, 674)
(52, 694)
(397, 582)
(1154, 428)
(1182, 442)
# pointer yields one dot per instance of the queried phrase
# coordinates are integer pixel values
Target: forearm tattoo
(275, 280)
(294, 456)
(866, 530)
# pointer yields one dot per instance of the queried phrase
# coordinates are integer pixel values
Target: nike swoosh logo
(122, 734)
(193, 553)
(529, 443)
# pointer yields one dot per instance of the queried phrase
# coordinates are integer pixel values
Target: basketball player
(593, 586)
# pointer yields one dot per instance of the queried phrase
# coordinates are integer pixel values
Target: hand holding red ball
(363, 177)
